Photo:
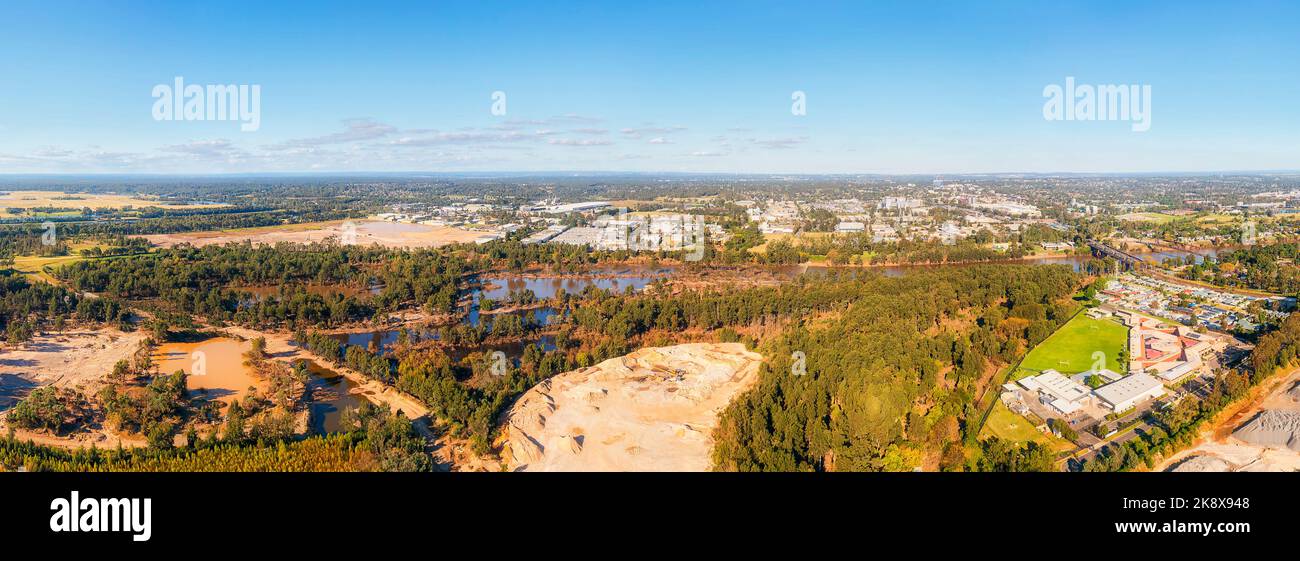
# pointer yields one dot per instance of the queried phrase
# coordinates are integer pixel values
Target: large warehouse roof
(1129, 387)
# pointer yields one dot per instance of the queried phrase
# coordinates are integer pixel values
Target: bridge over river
(1129, 260)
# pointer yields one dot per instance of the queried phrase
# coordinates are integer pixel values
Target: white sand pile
(1272, 428)
(652, 410)
(1198, 464)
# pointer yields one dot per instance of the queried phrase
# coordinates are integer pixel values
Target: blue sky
(892, 87)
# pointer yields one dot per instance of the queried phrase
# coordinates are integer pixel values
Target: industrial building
(1064, 395)
(1130, 391)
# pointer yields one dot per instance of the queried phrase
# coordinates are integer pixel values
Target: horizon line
(615, 173)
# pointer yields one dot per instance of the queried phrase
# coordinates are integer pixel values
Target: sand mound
(1272, 428)
(652, 410)
(1294, 392)
(1197, 464)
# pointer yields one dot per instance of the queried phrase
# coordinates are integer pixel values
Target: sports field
(1070, 349)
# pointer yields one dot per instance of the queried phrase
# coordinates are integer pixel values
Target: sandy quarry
(1272, 428)
(67, 359)
(76, 359)
(1264, 437)
(652, 410)
(387, 234)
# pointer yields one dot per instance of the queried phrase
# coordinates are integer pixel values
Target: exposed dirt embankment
(1262, 435)
(652, 410)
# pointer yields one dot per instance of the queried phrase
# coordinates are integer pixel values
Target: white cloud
(461, 137)
(638, 132)
(354, 130)
(218, 148)
(578, 142)
(779, 143)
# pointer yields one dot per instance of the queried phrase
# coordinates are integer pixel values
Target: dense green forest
(199, 281)
(892, 379)
(861, 249)
(26, 307)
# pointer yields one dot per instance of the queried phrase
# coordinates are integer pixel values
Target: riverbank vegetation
(1270, 268)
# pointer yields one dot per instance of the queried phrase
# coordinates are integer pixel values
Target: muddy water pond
(216, 369)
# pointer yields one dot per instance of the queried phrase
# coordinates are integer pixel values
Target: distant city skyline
(673, 87)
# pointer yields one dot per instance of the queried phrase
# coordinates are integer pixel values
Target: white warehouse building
(1130, 391)
(1064, 395)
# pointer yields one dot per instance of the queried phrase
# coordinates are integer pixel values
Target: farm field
(387, 234)
(795, 239)
(77, 201)
(33, 266)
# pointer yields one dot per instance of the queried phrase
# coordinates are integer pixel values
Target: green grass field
(1070, 349)
(1005, 424)
(33, 267)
